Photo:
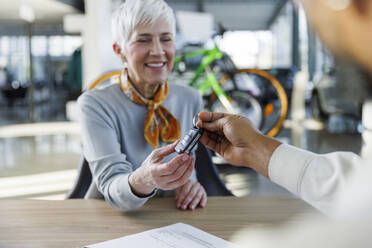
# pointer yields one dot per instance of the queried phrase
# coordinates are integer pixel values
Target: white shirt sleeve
(351, 229)
(337, 181)
(317, 179)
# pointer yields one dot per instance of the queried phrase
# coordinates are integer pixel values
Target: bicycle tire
(280, 92)
(103, 78)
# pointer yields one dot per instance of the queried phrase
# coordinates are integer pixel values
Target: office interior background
(52, 50)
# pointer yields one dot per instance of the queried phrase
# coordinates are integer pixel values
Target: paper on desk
(174, 236)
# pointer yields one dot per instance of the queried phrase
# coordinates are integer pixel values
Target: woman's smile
(156, 66)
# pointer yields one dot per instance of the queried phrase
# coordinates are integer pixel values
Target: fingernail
(185, 157)
(192, 207)
(184, 207)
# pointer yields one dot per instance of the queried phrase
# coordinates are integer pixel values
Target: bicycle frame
(210, 80)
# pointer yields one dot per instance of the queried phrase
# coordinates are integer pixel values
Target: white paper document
(174, 236)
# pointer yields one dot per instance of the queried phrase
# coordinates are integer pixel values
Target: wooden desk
(74, 223)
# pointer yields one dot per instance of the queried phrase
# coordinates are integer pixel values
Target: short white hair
(133, 13)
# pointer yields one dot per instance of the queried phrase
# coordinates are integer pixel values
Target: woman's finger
(170, 167)
(178, 173)
(181, 181)
(203, 202)
(162, 182)
(194, 203)
(183, 192)
(190, 196)
(159, 153)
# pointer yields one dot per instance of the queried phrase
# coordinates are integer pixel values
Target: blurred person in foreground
(127, 127)
(339, 184)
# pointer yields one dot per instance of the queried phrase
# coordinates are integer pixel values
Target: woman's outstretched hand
(155, 174)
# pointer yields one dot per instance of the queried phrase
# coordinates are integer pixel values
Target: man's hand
(236, 140)
(191, 195)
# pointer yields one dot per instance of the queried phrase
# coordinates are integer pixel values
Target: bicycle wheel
(267, 90)
(244, 104)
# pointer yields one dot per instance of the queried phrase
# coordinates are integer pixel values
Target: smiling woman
(149, 56)
(127, 127)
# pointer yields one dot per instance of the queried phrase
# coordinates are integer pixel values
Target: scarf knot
(159, 123)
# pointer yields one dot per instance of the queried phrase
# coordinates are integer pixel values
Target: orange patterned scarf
(159, 120)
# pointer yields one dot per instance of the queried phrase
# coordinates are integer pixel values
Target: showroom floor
(40, 161)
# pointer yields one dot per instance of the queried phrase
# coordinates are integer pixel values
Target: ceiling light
(27, 13)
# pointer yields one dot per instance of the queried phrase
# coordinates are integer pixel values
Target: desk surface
(75, 223)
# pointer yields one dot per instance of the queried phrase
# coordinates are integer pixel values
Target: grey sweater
(113, 140)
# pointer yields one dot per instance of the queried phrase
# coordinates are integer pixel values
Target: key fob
(188, 142)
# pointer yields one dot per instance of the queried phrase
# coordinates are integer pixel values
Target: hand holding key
(237, 141)
(155, 174)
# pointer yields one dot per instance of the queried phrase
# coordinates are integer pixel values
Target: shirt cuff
(287, 167)
(123, 196)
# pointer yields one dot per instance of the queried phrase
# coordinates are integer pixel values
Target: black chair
(206, 172)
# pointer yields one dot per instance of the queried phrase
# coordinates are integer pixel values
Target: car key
(188, 142)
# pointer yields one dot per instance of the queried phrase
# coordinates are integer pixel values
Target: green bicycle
(253, 93)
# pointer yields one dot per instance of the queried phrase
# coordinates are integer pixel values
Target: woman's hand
(154, 174)
(190, 195)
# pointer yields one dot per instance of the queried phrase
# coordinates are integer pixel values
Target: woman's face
(149, 53)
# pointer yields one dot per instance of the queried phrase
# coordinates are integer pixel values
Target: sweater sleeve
(110, 167)
(320, 180)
